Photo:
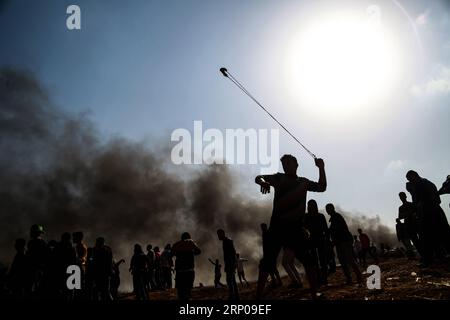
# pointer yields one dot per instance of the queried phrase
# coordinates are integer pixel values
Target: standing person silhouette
(366, 248)
(229, 258)
(18, 272)
(286, 223)
(435, 230)
(403, 237)
(408, 213)
(357, 250)
(115, 279)
(274, 274)
(157, 268)
(66, 256)
(139, 268)
(184, 252)
(217, 273)
(81, 256)
(240, 269)
(343, 240)
(38, 253)
(102, 268)
(150, 282)
(319, 235)
(167, 267)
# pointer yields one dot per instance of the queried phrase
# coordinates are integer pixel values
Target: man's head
(66, 237)
(221, 234)
(149, 247)
(137, 248)
(19, 245)
(168, 247)
(330, 209)
(263, 227)
(77, 237)
(99, 242)
(360, 231)
(412, 176)
(397, 220)
(36, 231)
(312, 206)
(184, 236)
(402, 196)
(157, 248)
(290, 164)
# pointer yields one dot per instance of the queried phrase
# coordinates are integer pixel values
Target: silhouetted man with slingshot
(286, 224)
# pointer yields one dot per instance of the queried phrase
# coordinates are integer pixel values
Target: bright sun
(341, 64)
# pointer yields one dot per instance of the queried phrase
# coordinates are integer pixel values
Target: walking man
(229, 258)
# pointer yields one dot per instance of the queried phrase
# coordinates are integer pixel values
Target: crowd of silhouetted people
(39, 269)
(297, 228)
(422, 226)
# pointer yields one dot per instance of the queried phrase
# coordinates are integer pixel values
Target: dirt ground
(401, 279)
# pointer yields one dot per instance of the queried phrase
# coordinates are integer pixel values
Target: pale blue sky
(144, 68)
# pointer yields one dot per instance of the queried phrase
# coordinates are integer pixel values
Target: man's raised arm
(322, 183)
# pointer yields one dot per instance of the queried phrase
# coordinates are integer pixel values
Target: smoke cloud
(372, 226)
(58, 171)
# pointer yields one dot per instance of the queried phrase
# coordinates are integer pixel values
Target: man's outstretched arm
(265, 182)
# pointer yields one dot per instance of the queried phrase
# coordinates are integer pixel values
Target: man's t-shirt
(289, 203)
(139, 262)
(184, 252)
(365, 241)
(229, 255)
(151, 259)
(407, 211)
(38, 253)
(424, 192)
(339, 230)
(102, 261)
(166, 259)
(317, 227)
